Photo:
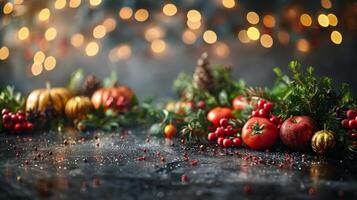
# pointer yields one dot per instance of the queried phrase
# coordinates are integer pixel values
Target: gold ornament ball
(78, 107)
(323, 141)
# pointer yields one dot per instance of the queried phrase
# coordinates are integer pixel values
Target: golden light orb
(154, 33)
(194, 16)
(193, 25)
(189, 37)
(60, 4)
(336, 37)
(266, 41)
(77, 40)
(44, 14)
(74, 4)
(253, 33)
(141, 15)
(36, 69)
(23, 33)
(109, 24)
(305, 19)
(158, 46)
(39, 57)
(169, 9)
(333, 21)
(50, 63)
(92, 49)
(252, 17)
(221, 50)
(269, 21)
(95, 2)
(326, 4)
(229, 3)
(243, 36)
(4, 53)
(50, 34)
(125, 13)
(303, 45)
(123, 52)
(8, 8)
(209, 37)
(323, 20)
(99, 31)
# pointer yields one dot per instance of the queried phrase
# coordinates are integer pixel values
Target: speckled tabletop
(129, 165)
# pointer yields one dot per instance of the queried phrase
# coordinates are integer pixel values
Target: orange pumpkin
(117, 98)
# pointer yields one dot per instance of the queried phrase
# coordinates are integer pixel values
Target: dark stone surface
(126, 165)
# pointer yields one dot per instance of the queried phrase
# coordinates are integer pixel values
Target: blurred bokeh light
(149, 42)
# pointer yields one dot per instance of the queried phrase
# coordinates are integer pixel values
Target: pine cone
(255, 92)
(202, 78)
(90, 85)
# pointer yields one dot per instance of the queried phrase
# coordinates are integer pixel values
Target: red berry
(351, 114)
(212, 136)
(223, 122)
(274, 119)
(18, 127)
(219, 132)
(29, 126)
(263, 113)
(268, 106)
(261, 103)
(237, 142)
(344, 123)
(6, 118)
(184, 178)
(229, 130)
(220, 141)
(21, 118)
(354, 135)
(5, 111)
(352, 124)
(227, 143)
(255, 113)
(201, 104)
(14, 118)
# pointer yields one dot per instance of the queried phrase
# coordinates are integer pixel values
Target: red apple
(296, 132)
(240, 103)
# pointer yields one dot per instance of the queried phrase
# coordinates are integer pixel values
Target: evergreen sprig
(305, 94)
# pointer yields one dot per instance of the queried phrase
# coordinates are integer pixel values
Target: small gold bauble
(323, 141)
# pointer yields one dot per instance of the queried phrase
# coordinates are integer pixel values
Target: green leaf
(75, 80)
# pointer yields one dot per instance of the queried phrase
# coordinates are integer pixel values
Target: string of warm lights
(263, 29)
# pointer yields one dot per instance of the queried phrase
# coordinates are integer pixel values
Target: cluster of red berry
(351, 121)
(16, 122)
(200, 105)
(225, 135)
(263, 110)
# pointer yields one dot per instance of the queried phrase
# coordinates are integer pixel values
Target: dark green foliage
(225, 88)
(305, 94)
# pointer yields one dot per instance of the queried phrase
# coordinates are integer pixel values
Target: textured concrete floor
(128, 165)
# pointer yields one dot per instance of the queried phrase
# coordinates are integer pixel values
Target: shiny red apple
(296, 132)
